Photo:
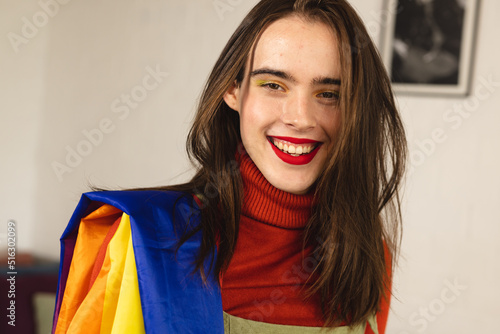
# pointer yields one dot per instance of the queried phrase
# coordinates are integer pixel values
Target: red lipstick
(302, 159)
(297, 140)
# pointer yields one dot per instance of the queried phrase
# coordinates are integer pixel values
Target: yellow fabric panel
(117, 250)
(128, 317)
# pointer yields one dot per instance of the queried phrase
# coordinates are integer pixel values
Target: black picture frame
(428, 45)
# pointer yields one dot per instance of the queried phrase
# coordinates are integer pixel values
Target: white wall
(65, 78)
(447, 279)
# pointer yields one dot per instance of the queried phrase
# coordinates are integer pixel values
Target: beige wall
(70, 80)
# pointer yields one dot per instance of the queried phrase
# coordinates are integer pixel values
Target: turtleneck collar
(267, 204)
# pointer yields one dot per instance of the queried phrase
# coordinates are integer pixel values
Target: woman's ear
(232, 97)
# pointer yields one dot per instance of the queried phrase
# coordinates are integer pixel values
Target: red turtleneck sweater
(265, 280)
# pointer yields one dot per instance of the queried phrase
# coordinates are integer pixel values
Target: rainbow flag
(120, 272)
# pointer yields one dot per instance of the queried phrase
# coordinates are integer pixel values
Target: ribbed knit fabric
(266, 276)
(269, 205)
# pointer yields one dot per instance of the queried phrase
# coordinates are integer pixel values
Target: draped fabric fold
(120, 271)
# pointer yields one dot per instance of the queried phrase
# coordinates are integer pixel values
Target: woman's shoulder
(130, 201)
(144, 207)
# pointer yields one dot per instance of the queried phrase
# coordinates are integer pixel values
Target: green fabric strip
(236, 325)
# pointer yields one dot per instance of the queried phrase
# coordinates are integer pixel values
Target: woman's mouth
(294, 151)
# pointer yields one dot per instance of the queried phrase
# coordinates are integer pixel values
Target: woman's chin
(297, 188)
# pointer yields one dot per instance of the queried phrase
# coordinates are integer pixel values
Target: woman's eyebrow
(326, 81)
(289, 77)
(276, 73)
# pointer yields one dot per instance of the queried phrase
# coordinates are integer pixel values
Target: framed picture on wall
(428, 45)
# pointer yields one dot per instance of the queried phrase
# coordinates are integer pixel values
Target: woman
(300, 152)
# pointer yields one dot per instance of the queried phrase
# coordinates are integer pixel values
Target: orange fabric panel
(101, 255)
(88, 317)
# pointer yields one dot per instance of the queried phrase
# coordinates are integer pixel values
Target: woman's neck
(268, 204)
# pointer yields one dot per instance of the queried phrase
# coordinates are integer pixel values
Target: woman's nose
(298, 112)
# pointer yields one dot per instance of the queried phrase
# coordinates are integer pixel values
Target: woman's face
(288, 102)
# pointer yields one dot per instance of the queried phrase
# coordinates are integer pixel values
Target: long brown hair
(358, 207)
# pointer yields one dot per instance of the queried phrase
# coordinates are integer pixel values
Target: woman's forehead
(294, 44)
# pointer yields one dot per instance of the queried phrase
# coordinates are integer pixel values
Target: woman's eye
(329, 95)
(273, 86)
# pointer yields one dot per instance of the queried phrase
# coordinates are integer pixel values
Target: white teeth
(291, 149)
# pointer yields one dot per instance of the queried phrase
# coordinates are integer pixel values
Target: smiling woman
(289, 97)
(291, 222)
